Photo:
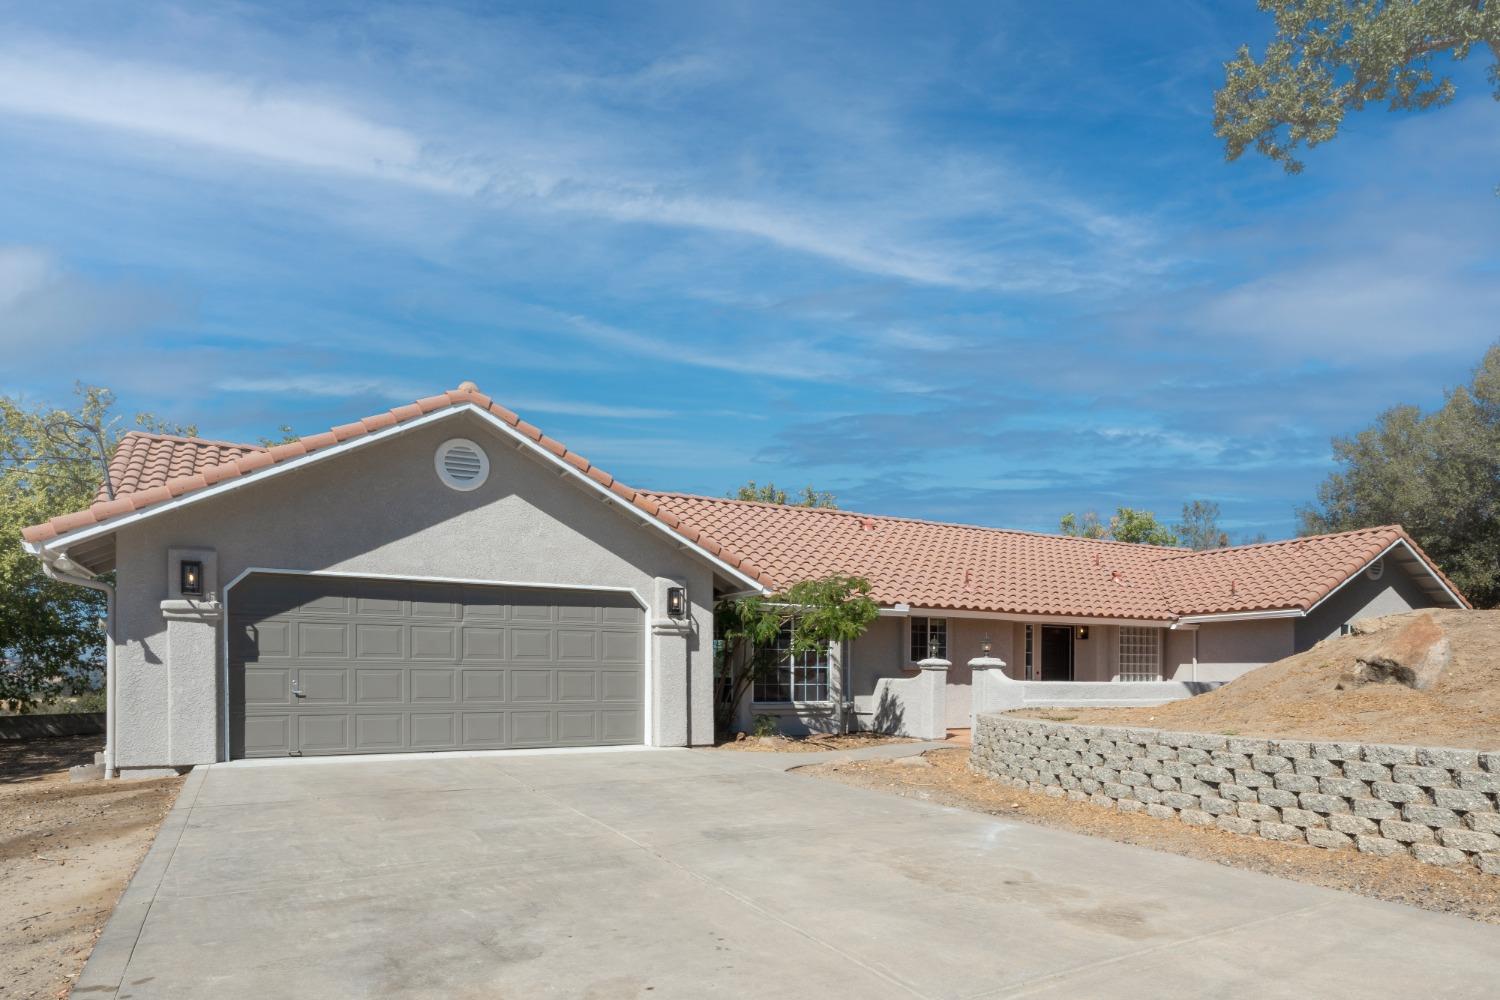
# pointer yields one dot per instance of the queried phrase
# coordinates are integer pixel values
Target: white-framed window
(1140, 653)
(797, 677)
(929, 637)
(1028, 653)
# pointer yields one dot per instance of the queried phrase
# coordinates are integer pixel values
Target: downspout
(65, 570)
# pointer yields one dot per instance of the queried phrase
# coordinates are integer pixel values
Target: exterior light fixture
(676, 602)
(984, 645)
(1083, 631)
(191, 581)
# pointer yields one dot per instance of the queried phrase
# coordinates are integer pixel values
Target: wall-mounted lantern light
(1083, 631)
(984, 645)
(191, 580)
(676, 602)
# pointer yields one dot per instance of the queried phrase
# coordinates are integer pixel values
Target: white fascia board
(1038, 619)
(63, 542)
(1241, 616)
(1398, 543)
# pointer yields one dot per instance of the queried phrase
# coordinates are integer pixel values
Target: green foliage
(821, 613)
(770, 493)
(1436, 474)
(287, 437)
(1330, 57)
(1127, 525)
(1199, 528)
(764, 725)
(51, 462)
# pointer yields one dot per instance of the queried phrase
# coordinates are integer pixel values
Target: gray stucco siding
(1396, 591)
(381, 510)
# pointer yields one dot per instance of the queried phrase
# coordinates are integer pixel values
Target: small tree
(820, 613)
(1127, 525)
(1199, 528)
(771, 493)
(52, 461)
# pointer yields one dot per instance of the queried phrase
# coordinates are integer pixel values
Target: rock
(741, 736)
(920, 761)
(1415, 655)
(86, 772)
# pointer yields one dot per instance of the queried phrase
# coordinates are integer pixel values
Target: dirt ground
(948, 781)
(1300, 698)
(809, 744)
(66, 852)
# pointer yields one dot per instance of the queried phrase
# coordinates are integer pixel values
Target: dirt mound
(1329, 692)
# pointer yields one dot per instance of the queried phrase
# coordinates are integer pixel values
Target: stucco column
(989, 691)
(671, 697)
(193, 688)
(932, 700)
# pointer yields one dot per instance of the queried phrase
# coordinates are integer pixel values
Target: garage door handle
(295, 692)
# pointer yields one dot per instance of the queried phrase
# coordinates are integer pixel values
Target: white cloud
(42, 304)
(333, 386)
(622, 176)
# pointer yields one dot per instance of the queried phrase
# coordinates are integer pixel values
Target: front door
(1057, 653)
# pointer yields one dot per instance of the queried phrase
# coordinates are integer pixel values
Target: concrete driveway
(700, 874)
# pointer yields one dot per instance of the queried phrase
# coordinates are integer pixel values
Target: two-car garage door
(325, 665)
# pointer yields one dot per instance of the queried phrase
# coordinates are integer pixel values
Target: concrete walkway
(697, 874)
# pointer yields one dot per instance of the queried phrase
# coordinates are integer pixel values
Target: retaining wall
(30, 727)
(1437, 804)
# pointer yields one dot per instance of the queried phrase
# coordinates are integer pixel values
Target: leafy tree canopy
(819, 612)
(1199, 528)
(770, 493)
(1331, 57)
(51, 462)
(1436, 474)
(1127, 525)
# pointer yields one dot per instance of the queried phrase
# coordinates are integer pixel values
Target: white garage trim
(648, 661)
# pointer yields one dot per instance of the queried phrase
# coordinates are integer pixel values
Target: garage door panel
(434, 642)
(392, 666)
(433, 730)
(433, 685)
(323, 733)
(379, 686)
(379, 733)
(268, 686)
(323, 684)
(530, 644)
(379, 642)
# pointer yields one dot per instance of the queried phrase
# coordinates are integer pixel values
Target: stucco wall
(381, 509)
(1228, 649)
(1362, 597)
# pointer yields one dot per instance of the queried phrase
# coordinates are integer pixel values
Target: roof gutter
(1241, 616)
(64, 570)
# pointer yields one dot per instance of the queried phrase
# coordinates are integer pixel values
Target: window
(796, 678)
(1028, 652)
(1140, 653)
(929, 637)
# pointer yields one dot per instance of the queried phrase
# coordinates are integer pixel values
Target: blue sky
(975, 262)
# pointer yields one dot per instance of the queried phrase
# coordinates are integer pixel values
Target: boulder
(1414, 655)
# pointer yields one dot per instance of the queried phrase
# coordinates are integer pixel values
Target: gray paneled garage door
(322, 665)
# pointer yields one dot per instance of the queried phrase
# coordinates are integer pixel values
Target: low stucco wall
(1437, 804)
(995, 691)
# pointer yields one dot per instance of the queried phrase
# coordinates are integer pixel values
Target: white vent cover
(462, 464)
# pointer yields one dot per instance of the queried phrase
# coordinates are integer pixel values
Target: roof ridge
(909, 520)
(1300, 539)
(190, 439)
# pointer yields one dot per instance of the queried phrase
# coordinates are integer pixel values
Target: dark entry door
(1057, 653)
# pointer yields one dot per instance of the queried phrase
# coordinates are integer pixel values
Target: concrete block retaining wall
(31, 727)
(1439, 805)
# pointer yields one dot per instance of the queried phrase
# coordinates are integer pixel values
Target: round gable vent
(462, 464)
(1376, 569)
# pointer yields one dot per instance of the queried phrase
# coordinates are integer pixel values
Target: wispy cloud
(43, 305)
(331, 386)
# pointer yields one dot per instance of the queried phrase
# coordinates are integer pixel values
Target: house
(444, 576)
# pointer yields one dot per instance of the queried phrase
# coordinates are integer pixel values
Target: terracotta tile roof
(959, 567)
(1296, 573)
(153, 471)
(926, 564)
(144, 461)
(929, 564)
